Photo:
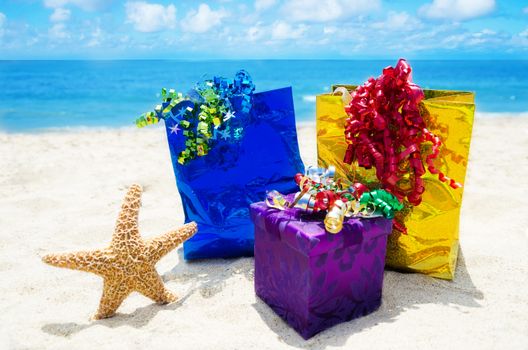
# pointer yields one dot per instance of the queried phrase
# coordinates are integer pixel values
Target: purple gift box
(314, 279)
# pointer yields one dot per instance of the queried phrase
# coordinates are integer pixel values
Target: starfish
(128, 264)
(181, 112)
(174, 129)
(224, 134)
(229, 115)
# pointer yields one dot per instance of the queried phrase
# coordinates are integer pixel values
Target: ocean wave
(501, 114)
(308, 98)
(303, 119)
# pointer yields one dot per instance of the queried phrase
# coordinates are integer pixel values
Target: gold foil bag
(431, 243)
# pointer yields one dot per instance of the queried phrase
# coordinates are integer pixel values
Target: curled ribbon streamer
(201, 111)
(385, 130)
(383, 201)
(320, 192)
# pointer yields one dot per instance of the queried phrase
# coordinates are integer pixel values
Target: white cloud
(203, 19)
(255, 32)
(283, 31)
(60, 15)
(400, 21)
(147, 17)
(261, 5)
(457, 9)
(482, 37)
(329, 29)
(277, 31)
(521, 39)
(485, 37)
(96, 37)
(58, 32)
(327, 10)
(2, 22)
(525, 10)
(55, 3)
(86, 5)
(486, 31)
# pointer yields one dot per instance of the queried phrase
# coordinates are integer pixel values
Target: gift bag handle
(345, 95)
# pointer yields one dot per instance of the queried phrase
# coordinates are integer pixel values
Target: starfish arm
(127, 221)
(151, 286)
(158, 247)
(114, 292)
(95, 261)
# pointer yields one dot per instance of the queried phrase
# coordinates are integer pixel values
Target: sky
(254, 29)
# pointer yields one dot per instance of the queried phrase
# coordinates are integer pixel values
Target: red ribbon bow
(384, 129)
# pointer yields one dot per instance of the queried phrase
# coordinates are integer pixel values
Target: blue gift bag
(257, 152)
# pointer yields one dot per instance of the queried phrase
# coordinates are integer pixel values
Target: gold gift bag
(431, 243)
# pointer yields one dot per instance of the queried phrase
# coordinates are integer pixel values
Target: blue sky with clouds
(429, 29)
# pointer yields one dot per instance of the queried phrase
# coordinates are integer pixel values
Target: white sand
(61, 191)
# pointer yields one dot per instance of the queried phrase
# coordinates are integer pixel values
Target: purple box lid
(307, 234)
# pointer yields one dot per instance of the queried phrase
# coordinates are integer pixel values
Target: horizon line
(261, 59)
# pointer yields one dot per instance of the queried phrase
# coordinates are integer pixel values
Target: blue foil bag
(259, 153)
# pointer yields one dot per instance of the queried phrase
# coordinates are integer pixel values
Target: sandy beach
(61, 191)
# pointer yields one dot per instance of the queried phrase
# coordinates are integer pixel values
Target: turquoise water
(48, 94)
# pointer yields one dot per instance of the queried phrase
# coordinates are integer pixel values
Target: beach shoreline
(300, 122)
(61, 191)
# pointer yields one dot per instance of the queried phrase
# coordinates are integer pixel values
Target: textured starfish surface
(128, 264)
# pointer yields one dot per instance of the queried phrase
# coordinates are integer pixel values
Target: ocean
(37, 95)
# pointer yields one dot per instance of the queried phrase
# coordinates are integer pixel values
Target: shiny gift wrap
(258, 151)
(321, 193)
(314, 279)
(431, 243)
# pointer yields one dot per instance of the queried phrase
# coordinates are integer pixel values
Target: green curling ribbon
(320, 192)
(212, 109)
(146, 119)
(384, 202)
